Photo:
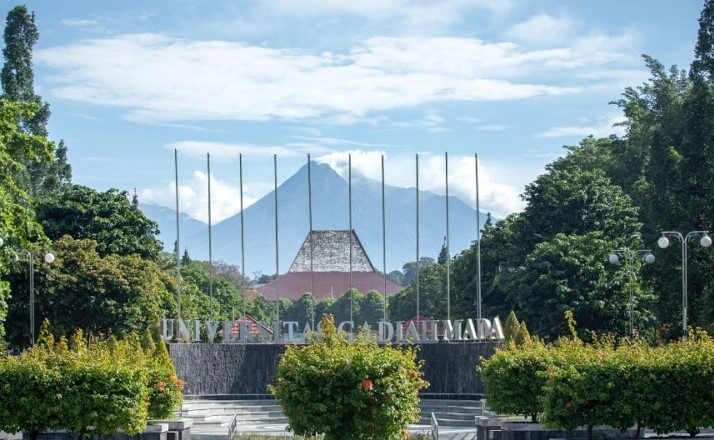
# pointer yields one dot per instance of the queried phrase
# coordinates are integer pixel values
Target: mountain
(166, 218)
(330, 211)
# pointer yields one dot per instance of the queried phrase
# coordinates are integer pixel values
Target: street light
(49, 258)
(630, 256)
(705, 241)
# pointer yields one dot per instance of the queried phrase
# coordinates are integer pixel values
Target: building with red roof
(323, 261)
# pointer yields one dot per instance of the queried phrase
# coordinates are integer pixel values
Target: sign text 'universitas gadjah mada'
(245, 332)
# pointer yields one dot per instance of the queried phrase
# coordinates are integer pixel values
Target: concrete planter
(523, 430)
(154, 431)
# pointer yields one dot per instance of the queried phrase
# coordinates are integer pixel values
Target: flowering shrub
(165, 388)
(349, 390)
(85, 387)
(571, 384)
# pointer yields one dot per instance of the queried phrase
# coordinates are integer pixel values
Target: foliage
(511, 327)
(18, 226)
(104, 295)
(105, 217)
(606, 382)
(87, 386)
(165, 388)
(432, 296)
(514, 379)
(347, 390)
(522, 336)
(90, 388)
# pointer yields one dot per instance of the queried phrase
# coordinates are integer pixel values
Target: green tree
(571, 272)
(302, 311)
(42, 174)
(432, 296)
(522, 336)
(511, 327)
(410, 269)
(20, 35)
(105, 217)
(103, 295)
(371, 309)
(18, 226)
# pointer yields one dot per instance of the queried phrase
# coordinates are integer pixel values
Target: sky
(514, 81)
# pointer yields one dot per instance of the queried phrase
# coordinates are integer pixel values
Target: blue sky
(511, 80)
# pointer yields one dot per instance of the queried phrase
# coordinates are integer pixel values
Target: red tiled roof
(293, 284)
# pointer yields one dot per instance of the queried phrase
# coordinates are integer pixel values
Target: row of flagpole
(310, 235)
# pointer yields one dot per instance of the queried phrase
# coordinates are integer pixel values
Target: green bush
(349, 390)
(86, 387)
(514, 378)
(165, 388)
(30, 394)
(572, 384)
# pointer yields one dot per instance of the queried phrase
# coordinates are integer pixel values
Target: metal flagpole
(349, 196)
(210, 238)
(478, 244)
(417, 229)
(242, 225)
(309, 210)
(417, 237)
(277, 255)
(178, 237)
(384, 243)
(448, 252)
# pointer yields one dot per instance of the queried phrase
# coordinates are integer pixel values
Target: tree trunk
(590, 432)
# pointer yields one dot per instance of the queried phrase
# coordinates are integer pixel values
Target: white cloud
(542, 29)
(157, 78)
(499, 198)
(79, 22)
(399, 13)
(602, 128)
(230, 151)
(193, 197)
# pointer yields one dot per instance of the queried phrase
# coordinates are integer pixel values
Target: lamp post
(49, 258)
(630, 256)
(705, 241)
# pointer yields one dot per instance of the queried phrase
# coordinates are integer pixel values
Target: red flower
(367, 384)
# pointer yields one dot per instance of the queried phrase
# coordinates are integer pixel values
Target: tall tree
(20, 35)
(41, 174)
(106, 217)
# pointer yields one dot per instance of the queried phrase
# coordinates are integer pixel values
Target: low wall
(246, 370)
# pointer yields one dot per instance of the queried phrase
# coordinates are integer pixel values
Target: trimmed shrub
(572, 384)
(514, 378)
(349, 390)
(86, 387)
(165, 388)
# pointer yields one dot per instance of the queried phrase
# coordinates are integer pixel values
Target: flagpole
(242, 226)
(384, 244)
(178, 237)
(418, 311)
(448, 251)
(478, 245)
(210, 238)
(277, 255)
(349, 186)
(309, 209)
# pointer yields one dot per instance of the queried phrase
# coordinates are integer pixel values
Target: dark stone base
(521, 430)
(245, 370)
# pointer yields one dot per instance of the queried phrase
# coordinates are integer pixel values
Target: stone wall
(246, 370)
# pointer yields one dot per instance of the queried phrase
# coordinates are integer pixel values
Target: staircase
(212, 419)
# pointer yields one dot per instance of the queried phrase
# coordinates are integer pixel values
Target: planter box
(487, 426)
(521, 430)
(157, 431)
(178, 429)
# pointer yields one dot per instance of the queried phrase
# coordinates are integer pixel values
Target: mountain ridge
(330, 211)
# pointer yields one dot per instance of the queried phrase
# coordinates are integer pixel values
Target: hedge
(85, 387)
(571, 384)
(349, 390)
